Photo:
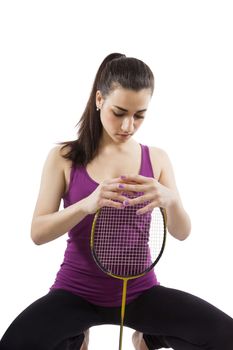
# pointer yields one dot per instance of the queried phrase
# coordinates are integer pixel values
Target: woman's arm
(178, 221)
(47, 227)
(48, 223)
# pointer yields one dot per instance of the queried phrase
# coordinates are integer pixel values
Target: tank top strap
(146, 166)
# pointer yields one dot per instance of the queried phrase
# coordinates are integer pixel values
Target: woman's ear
(99, 99)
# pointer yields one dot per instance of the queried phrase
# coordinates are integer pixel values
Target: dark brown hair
(116, 70)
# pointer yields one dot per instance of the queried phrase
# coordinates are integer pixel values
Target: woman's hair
(115, 71)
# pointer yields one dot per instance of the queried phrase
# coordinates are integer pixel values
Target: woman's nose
(127, 125)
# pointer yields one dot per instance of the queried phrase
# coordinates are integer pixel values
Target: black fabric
(167, 318)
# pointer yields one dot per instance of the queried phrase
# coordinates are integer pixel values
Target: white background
(50, 52)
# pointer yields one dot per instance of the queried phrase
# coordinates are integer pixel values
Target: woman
(92, 172)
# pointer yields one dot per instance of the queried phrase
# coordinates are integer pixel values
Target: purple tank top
(79, 273)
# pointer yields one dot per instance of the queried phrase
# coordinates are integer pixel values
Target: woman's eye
(121, 115)
(118, 115)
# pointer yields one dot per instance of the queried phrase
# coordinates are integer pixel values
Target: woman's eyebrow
(125, 110)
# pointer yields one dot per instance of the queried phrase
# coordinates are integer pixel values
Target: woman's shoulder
(159, 154)
(157, 151)
(57, 153)
(159, 159)
(166, 171)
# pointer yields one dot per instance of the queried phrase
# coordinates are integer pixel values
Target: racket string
(126, 244)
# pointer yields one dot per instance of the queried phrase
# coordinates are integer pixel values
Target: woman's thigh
(171, 312)
(49, 321)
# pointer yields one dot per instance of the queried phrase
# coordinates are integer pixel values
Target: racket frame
(164, 215)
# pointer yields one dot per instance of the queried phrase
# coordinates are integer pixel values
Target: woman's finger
(114, 196)
(147, 208)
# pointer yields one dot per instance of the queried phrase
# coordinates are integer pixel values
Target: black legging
(167, 317)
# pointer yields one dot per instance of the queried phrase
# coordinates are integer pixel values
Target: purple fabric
(79, 273)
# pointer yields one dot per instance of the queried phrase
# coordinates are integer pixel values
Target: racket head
(127, 245)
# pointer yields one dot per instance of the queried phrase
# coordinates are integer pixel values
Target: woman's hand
(106, 195)
(153, 191)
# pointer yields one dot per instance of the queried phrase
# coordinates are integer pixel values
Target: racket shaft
(123, 311)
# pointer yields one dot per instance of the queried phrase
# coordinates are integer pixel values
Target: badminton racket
(125, 245)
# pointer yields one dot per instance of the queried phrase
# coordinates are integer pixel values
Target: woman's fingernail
(121, 186)
(126, 202)
(123, 177)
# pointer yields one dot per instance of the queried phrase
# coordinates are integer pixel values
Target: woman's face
(122, 112)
